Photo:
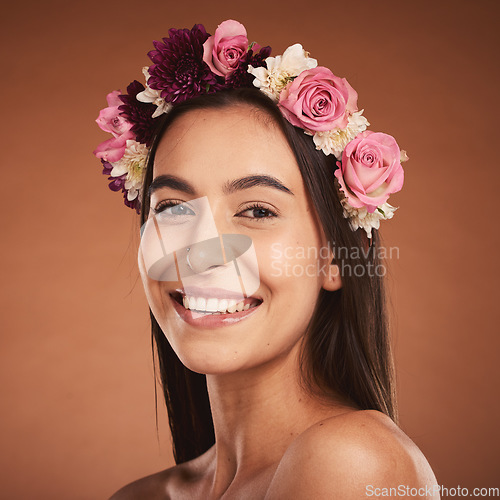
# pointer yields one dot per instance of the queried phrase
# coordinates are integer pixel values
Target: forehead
(235, 140)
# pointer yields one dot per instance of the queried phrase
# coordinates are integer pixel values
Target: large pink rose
(370, 170)
(223, 51)
(109, 118)
(111, 121)
(113, 149)
(317, 100)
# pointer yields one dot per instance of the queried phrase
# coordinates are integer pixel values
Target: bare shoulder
(151, 487)
(179, 482)
(350, 456)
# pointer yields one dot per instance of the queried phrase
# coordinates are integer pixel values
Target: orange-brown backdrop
(78, 413)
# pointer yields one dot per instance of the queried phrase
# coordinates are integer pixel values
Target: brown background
(78, 413)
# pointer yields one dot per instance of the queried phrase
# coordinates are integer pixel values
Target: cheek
(291, 273)
(155, 296)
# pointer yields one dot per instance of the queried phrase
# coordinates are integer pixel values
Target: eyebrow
(170, 181)
(173, 182)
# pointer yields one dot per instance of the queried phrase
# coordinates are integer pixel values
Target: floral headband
(191, 62)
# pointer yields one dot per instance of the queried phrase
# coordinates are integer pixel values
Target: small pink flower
(317, 100)
(111, 121)
(113, 149)
(223, 51)
(109, 118)
(370, 170)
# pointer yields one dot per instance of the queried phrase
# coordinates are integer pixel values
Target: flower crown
(191, 62)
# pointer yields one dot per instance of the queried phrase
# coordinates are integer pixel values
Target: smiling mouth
(214, 305)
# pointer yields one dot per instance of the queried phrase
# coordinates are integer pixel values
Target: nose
(214, 252)
(205, 255)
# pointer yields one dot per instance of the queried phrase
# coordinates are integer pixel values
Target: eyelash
(162, 205)
(258, 206)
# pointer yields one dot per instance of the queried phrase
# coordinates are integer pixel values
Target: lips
(210, 303)
(212, 307)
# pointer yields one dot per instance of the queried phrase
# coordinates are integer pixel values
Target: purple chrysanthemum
(118, 184)
(241, 77)
(179, 71)
(135, 203)
(138, 113)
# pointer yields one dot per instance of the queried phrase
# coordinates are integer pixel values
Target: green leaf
(381, 211)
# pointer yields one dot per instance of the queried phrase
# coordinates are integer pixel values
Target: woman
(259, 257)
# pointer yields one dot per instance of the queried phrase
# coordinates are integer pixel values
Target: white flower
(132, 163)
(334, 141)
(281, 70)
(404, 156)
(360, 217)
(153, 96)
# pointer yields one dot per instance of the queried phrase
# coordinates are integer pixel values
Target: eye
(172, 209)
(257, 211)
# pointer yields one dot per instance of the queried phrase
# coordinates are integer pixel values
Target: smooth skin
(273, 439)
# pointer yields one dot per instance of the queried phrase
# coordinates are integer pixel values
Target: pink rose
(317, 100)
(111, 121)
(223, 51)
(109, 118)
(113, 149)
(370, 170)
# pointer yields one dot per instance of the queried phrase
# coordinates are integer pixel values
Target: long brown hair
(346, 349)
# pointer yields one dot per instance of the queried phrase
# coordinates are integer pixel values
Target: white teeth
(214, 305)
(223, 303)
(201, 304)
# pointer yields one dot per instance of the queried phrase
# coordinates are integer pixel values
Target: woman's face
(207, 151)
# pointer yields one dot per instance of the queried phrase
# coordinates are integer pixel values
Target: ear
(332, 280)
(331, 277)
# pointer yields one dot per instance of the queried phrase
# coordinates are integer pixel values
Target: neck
(258, 413)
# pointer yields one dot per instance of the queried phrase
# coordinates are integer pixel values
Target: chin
(217, 360)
